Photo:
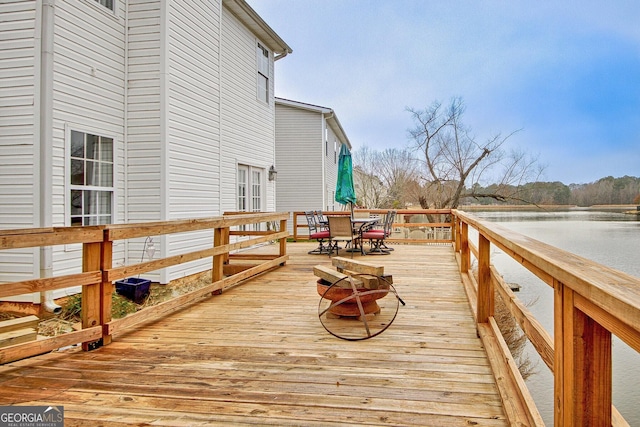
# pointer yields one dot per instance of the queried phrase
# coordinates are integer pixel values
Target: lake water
(610, 238)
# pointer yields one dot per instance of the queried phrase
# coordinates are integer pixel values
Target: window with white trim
(264, 75)
(250, 190)
(91, 179)
(109, 4)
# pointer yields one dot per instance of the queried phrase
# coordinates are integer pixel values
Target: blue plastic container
(134, 288)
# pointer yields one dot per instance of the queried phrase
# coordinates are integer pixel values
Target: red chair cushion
(373, 235)
(320, 235)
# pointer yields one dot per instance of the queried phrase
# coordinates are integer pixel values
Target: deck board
(258, 355)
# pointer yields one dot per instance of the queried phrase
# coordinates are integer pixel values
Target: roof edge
(302, 105)
(328, 113)
(249, 17)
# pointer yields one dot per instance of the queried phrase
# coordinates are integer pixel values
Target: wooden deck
(258, 355)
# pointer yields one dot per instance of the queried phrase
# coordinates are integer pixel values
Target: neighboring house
(308, 141)
(121, 111)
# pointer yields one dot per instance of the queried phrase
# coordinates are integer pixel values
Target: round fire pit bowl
(355, 307)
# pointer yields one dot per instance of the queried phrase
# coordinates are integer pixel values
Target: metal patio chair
(316, 232)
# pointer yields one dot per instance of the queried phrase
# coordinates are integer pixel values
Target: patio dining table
(360, 225)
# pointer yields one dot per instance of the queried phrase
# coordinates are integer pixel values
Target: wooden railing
(98, 273)
(591, 302)
(430, 232)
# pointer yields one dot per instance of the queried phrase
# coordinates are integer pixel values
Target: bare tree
(370, 189)
(456, 165)
(384, 179)
(398, 170)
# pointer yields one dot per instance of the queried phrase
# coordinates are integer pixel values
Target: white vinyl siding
(192, 124)
(88, 95)
(147, 74)
(19, 186)
(144, 165)
(248, 123)
(193, 115)
(18, 117)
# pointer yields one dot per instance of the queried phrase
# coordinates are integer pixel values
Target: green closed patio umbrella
(345, 191)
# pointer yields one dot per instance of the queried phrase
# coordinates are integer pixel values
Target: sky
(564, 74)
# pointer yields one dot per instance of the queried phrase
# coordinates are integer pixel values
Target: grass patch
(120, 307)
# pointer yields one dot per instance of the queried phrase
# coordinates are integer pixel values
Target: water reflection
(607, 237)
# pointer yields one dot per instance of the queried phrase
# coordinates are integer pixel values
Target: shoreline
(622, 208)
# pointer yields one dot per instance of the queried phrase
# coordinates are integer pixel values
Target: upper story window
(91, 179)
(264, 74)
(109, 4)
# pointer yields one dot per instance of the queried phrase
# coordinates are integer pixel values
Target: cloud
(564, 72)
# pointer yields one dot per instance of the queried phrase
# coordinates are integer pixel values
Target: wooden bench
(19, 330)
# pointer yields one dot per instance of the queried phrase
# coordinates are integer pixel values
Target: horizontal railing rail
(404, 231)
(591, 302)
(98, 274)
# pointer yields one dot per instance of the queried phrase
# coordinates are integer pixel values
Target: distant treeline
(605, 191)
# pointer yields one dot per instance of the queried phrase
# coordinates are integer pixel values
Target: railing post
(295, 226)
(91, 294)
(485, 287)
(283, 240)
(465, 256)
(455, 233)
(217, 269)
(582, 365)
(106, 288)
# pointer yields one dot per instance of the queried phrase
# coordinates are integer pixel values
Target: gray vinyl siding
(18, 124)
(299, 150)
(248, 132)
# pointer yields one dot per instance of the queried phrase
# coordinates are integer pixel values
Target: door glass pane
(256, 195)
(242, 189)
